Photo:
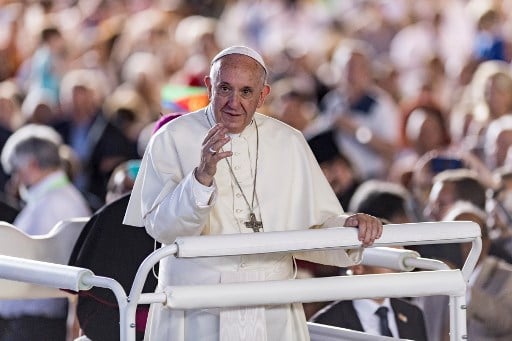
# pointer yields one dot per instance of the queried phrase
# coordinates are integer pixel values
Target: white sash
(243, 323)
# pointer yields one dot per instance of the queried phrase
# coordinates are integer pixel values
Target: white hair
(12, 153)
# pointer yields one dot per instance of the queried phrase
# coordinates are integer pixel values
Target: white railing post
(129, 311)
(458, 327)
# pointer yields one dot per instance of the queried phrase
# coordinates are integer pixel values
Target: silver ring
(213, 151)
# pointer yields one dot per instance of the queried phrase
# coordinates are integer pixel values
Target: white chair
(54, 247)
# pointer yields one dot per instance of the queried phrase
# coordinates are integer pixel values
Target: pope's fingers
(368, 235)
(213, 130)
(218, 144)
(370, 228)
(217, 141)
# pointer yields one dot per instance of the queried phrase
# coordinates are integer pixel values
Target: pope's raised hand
(211, 154)
(370, 227)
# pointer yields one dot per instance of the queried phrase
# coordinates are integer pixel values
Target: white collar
(55, 180)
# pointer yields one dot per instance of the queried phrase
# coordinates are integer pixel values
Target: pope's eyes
(224, 89)
(247, 93)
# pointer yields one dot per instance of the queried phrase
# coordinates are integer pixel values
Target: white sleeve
(202, 193)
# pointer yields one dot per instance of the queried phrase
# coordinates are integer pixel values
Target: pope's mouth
(232, 114)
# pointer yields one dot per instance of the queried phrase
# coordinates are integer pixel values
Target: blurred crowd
(412, 99)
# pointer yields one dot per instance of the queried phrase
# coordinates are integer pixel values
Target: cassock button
(243, 265)
(237, 167)
(238, 210)
(238, 195)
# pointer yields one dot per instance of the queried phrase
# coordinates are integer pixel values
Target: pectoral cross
(253, 223)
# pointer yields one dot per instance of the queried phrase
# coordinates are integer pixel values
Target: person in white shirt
(31, 155)
(226, 169)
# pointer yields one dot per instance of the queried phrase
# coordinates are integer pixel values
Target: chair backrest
(62, 238)
(54, 247)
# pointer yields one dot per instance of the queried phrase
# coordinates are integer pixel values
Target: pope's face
(236, 88)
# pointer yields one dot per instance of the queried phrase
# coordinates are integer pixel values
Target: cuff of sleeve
(203, 195)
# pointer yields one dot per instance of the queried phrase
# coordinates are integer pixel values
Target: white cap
(244, 50)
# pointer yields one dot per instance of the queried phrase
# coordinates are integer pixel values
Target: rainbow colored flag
(183, 98)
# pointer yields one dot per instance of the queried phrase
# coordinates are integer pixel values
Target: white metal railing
(440, 281)
(416, 284)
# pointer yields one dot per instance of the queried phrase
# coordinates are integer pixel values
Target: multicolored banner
(183, 98)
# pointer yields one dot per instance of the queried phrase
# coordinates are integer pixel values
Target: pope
(227, 169)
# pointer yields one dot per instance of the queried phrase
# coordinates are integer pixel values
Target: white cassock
(291, 194)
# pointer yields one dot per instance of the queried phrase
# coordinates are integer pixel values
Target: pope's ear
(208, 83)
(264, 93)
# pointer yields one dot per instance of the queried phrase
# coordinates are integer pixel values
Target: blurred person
(423, 130)
(497, 141)
(461, 103)
(449, 187)
(488, 293)
(502, 199)
(31, 154)
(383, 199)
(48, 63)
(437, 161)
(99, 145)
(491, 87)
(489, 41)
(126, 109)
(9, 115)
(365, 117)
(499, 211)
(148, 31)
(122, 180)
(10, 120)
(10, 53)
(336, 167)
(373, 25)
(392, 317)
(143, 72)
(445, 30)
(438, 83)
(185, 187)
(196, 36)
(99, 54)
(39, 107)
(294, 103)
(452, 185)
(488, 98)
(386, 77)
